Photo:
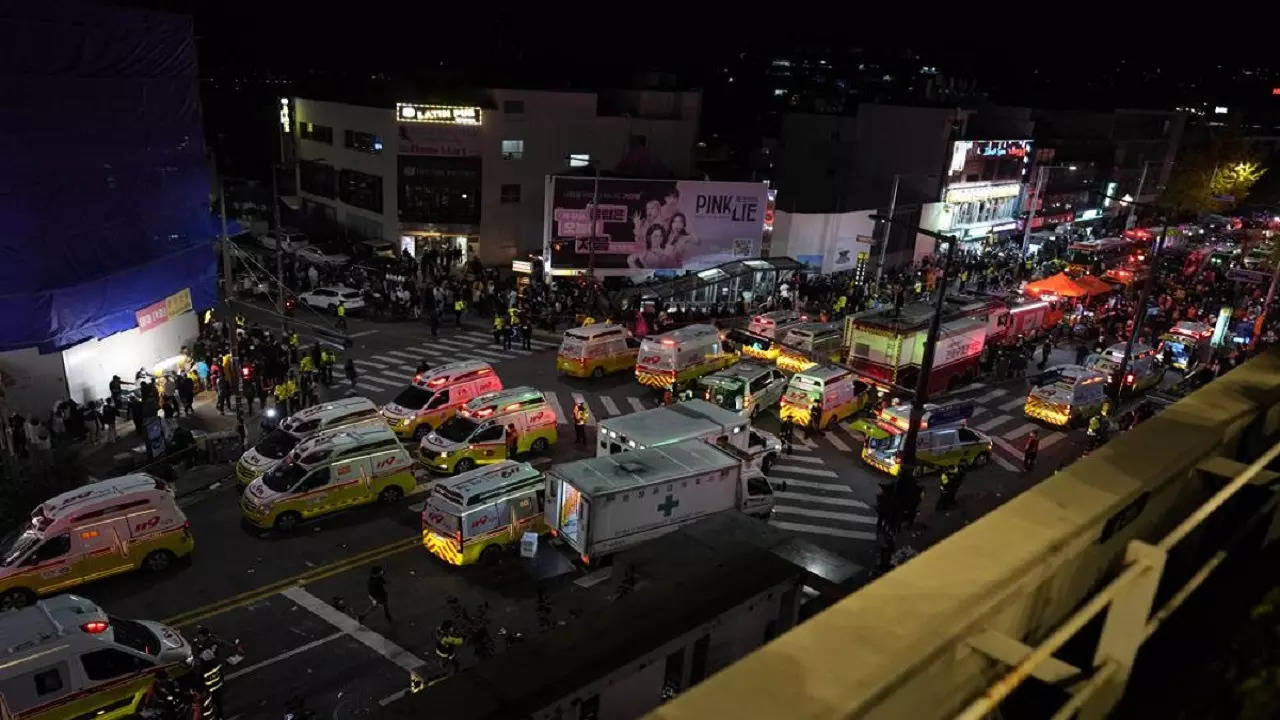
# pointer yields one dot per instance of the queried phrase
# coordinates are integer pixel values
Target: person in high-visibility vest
(588, 320)
(326, 366)
(580, 417)
(498, 328)
(342, 315)
(459, 306)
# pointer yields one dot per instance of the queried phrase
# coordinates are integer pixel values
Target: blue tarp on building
(104, 191)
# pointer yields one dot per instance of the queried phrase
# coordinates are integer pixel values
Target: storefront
(982, 194)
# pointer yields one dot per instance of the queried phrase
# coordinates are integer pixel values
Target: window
(439, 189)
(513, 107)
(579, 160)
(110, 663)
(318, 178)
(512, 149)
(440, 400)
(489, 434)
(54, 547)
(317, 479)
(363, 142)
(49, 681)
(510, 193)
(317, 133)
(360, 190)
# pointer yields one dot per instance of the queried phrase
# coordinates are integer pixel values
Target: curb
(230, 474)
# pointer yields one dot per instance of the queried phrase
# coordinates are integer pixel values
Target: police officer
(580, 417)
(342, 314)
(815, 416)
(498, 329)
(459, 306)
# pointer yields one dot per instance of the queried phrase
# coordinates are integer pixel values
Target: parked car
(326, 298)
(317, 256)
(287, 238)
(376, 248)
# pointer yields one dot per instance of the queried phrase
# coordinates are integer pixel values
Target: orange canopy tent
(1094, 285)
(1061, 285)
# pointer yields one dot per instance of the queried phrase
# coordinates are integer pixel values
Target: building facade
(471, 176)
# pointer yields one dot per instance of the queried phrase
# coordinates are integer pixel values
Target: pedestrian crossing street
(393, 369)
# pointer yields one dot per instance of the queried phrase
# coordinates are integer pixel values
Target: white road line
(819, 530)
(392, 379)
(347, 624)
(362, 333)
(1051, 439)
(799, 446)
(636, 405)
(392, 697)
(834, 487)
(836, 442)
(806, 459)
(376, 381)
(803, 471)
(1013, 452)
(286, 654)
(1006, 464)
(403, 354)
(591, 417)
(1014, 403)
(821, 499)
(609, 407)
(1019, 431)
(997, 420)
(555, 403)
(989, 396)
(366, 363)
(825, 514)
(388, 360)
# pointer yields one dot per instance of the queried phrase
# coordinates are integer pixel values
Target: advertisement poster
(439, 140)
(654, 224)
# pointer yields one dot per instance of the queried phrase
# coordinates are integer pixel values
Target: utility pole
(888, 226)
(1141, 313)
(1133, 206)
(275, 214)
(1041, 172)
(591, 216)
(232, 373)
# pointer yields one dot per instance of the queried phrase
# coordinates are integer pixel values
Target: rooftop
(639, 468)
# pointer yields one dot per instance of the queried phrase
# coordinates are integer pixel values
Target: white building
(472, 176)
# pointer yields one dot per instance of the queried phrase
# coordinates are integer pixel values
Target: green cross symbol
(668, 505)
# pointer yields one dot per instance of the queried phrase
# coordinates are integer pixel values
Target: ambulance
(1066, 395)
(942, 441)
(477, 434)
(104, 528)
(328, 472)
(482, 514)
(277, 443)
(437, 395)
(835, 389)
(596, 350)
(764, 332)
(810, 344)
(65, 658)
(1142, 373)
(674, 360)
(745, 388)
(1188, 344)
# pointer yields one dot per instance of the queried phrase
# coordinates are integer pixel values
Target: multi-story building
(471, 174)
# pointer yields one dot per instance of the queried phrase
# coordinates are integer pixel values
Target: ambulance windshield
(21, 546)
(413, 398)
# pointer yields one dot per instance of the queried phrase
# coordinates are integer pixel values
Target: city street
(290, 599)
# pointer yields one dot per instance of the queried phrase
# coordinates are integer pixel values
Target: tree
(1231, 183)
(1214, 177)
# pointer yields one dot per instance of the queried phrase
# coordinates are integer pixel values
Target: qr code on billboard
(742, 247)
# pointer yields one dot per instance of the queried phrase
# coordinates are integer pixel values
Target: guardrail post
(1124, 630)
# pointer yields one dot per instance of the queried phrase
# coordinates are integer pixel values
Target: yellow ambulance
(833, 388)
(673, 360)
(810, 344)
(328, 472)
(477, 434)
(101, 529)
(482, 514)
(764, 332)
(437, 395)
(596, 350)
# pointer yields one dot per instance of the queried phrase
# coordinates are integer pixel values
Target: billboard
(989, 161)
(653, 224)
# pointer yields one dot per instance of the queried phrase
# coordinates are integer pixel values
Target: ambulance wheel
(16, 599)
(597, 373)
(491, 555)
(157, 561)
(421, 432)
(390, 495)
(980, 460)
(539, 445)
(464, 465)
(287, 521)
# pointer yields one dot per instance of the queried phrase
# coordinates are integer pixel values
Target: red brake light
(668, 342)
(95, 626)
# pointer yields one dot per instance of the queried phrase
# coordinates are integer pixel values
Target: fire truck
(885, 347)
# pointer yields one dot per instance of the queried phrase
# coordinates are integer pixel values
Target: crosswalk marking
(1051, 439)
(636, 405)
(846, 502)
(375, 381)
(387, 360)
(836, 442)
(805, 459)
(591, 418)
(1014, 403)
(824, 514)
(989, 396)
(367, 364)
(820, 530)
(997, 420)
(803, 471)
(609, 407)
(387, 377)
(555, 403)
(1011, 450)
(1019, 431)
(799, 446)
(834, 487)
(403, 354)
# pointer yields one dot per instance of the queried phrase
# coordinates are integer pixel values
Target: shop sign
(446, 114)
(521, 266)
(975, 193)
(160, 312)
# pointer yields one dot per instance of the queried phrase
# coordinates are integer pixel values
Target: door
(352, 483)
(51, 564)
(101, 550)
(488, 445)
(435, 411)
(314, 493)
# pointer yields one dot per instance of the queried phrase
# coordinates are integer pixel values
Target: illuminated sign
(521, 266)
(1219, 110)
(444, 114)
(1275, 91)
(984, 191)
(286, 121)
(1088, 214)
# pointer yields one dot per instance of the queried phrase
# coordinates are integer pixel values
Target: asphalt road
(284, 596)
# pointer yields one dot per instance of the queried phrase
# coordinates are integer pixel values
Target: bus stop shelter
(723, 285)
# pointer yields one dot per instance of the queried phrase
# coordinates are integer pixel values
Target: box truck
(601, 505)
(688, 420)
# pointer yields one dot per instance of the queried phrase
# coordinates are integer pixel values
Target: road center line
(350, 626)
(284, 655)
